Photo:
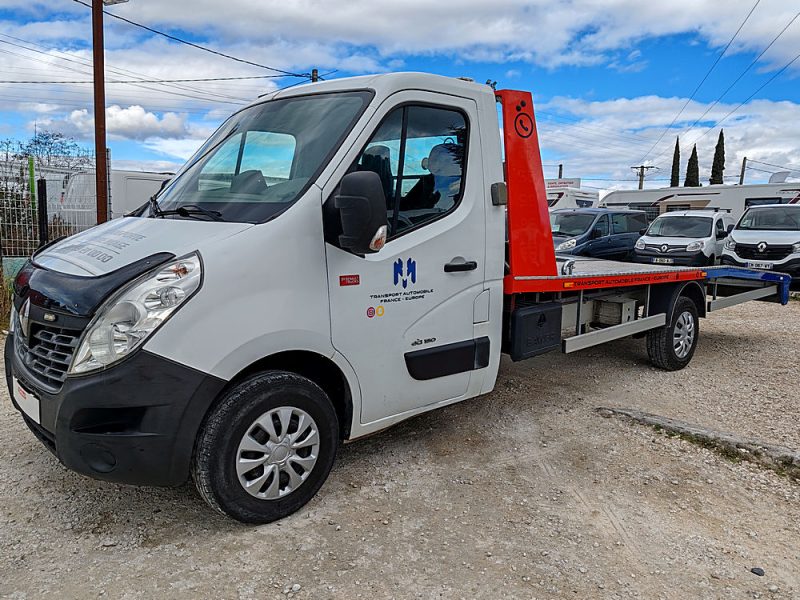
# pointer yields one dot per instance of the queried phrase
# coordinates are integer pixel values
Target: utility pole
(560, 171)
(642, 169)
(101, 161)
(744, 168)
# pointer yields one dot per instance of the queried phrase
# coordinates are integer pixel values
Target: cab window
(602, 225)
(419, 153)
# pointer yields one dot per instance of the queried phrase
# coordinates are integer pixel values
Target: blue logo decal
(405, 272)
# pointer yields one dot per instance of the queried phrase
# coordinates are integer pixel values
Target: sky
(614, 81)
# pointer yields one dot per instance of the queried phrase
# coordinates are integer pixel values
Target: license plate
(663, 261)
(26, 401)
(760, 264)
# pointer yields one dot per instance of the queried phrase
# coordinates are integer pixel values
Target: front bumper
(685, 259)
(790, 267)
(134, 423)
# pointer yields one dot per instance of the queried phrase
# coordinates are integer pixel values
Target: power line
(761, 162)
(739, 78)
(750, 97)
(149, 80)
(85, 64)
(702, 81)
(198, 46)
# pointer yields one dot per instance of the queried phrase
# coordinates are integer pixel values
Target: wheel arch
(664, 297)
(318, 368)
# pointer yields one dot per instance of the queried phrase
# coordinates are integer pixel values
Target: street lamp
(101, 159)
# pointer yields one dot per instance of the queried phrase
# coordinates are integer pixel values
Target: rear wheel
(671, 347)
(266, 448)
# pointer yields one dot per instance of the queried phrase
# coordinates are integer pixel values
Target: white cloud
(132, 123)
(604, 138)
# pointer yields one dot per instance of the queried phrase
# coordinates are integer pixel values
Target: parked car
(597, 232)
(686, 237)
(766, 238)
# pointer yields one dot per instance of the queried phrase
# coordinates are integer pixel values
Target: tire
(662, 342)
(712, 261)
(252, 437)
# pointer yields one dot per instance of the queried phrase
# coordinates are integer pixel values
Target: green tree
(675, 179)
(692, 170)
(718, 166)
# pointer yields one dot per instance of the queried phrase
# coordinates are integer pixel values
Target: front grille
(751, 252)
(48, 352)
(670, 248)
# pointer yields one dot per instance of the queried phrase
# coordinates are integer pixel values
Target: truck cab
(331, 261)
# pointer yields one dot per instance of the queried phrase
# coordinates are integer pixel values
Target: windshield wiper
(190, 210)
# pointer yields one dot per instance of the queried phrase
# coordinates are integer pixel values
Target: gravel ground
(525, 493)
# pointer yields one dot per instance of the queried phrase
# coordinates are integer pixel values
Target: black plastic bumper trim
(134, 423)
(450, 359)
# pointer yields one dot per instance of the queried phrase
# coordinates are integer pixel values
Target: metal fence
(38, 205)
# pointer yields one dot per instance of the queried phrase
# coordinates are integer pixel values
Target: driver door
(405, 317)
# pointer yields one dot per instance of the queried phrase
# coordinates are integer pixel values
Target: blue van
(597, 232)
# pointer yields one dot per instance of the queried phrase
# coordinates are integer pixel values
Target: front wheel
(266, 448)
(671, 347)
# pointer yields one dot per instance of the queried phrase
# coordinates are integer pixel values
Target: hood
(118, 243)
(671, 241)
(746, 236)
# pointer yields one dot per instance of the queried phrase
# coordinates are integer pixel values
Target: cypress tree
(675, 179)
(692, 170)
(718, 166)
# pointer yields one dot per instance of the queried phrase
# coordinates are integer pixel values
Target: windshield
(570, 224)
(772, 218)
(688, 227)
(264, 157)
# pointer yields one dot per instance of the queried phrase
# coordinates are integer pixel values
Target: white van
(767, 238)
(685, 237)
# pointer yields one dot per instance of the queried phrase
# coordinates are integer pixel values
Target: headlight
(695, 246)
(568, 245)
(730, 244)
(12, 318)
(640, 245)
(796, 248)
(131, 316)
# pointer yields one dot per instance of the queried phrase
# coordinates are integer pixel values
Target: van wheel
(672, 347)
(712, 261)
(266, 448)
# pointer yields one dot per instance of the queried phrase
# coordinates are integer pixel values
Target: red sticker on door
(345, 280)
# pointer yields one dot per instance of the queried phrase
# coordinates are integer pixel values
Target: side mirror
(643, 231)
(721, 235)
(597, 233)
(361, 204)
(730, 229)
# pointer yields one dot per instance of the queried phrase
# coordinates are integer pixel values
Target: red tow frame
(531, 255)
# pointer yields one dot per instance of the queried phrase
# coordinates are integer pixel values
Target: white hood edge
(118, 243)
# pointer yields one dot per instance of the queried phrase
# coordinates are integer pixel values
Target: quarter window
(419, 152)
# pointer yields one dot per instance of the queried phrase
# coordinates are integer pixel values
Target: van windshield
(688, 227)
(772, 218)
(263, 158)
(570, 224)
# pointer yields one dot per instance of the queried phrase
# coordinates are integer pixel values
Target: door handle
(460, 267)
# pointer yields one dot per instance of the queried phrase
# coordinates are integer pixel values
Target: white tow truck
(336, 258)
